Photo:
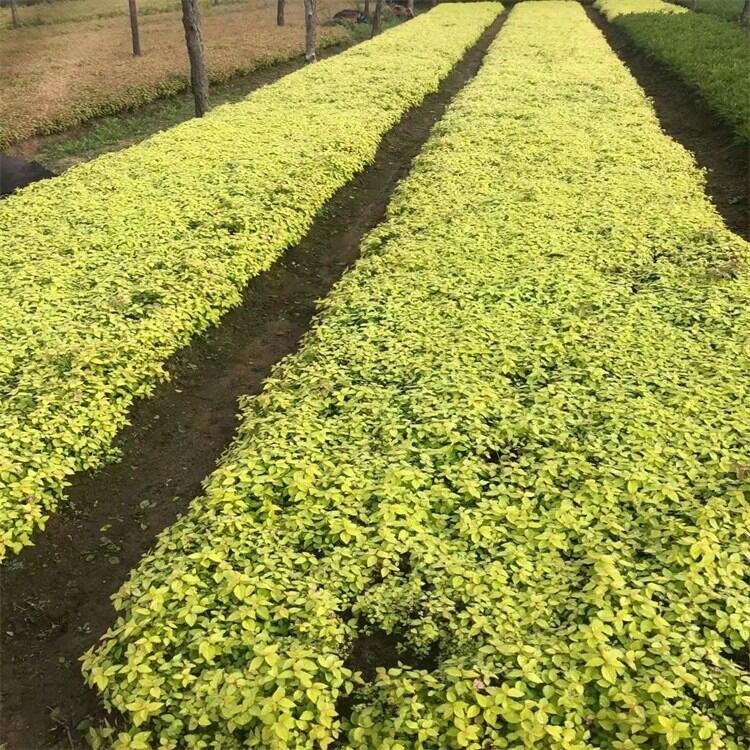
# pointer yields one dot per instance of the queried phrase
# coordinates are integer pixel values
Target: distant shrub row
(514, 446)
(729, 10)
(707, 52)
(51, 12)
(110, 268)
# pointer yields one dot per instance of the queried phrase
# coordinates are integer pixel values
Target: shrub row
(707, 52)
(514, 448)
(108, 269)
(729, 10)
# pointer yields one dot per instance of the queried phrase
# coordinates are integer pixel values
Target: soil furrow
(56, 595)
(686, 117)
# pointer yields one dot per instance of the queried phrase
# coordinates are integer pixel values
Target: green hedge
(516, 440)
(709, 53)
(729, 10)
(110, 268)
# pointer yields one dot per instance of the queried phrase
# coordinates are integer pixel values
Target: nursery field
(709, 53)
(522, 462)
(95, 332)
(494, 493)
(55, 77)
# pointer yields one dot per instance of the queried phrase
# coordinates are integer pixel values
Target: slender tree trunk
(214, 2)
(367, 8)
(280, 12)
(191, 20)
(410, 6)
(745, 16)
(14, 14)
(134, 28)
(311, 31)
(377, 19)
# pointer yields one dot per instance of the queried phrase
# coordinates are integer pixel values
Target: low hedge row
(513, 449)
(110, 268)
(729, 10)
(709, 53)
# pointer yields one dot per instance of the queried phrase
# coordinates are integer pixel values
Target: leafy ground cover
(55, 77)
(108, 269)
(709, 53)
(515, 444)
(729, 10)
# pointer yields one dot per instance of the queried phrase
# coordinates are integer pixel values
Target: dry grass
(53, 77)
(65, 11)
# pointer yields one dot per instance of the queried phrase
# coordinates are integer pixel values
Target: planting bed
(108, 269)
(686, 116)
(705, 51)
(513, 449)
(111, 518)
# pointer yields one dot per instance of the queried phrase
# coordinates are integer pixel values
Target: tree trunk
(745, 16)
(367, 8)
(214, 2)
(14, 14)
(377, 19)
(191, 20)
(410, 6)
(280, 12)
(134, 28)
(311, 31)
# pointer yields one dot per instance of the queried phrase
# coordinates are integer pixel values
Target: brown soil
(687, 118)
(16, 172)
(56, 595)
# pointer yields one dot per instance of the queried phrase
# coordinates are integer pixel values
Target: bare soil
(686, 117)
(56, 595)
(16, 172)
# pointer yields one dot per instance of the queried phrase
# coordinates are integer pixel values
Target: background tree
(191, 20)
(377, 19)
(745, 17)
(133, 28)
(311, 31)
(410, 6)
(367, 8)
(14, 14)
(280, 12)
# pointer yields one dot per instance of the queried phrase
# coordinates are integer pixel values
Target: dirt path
(56, 595)
(685, 116)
